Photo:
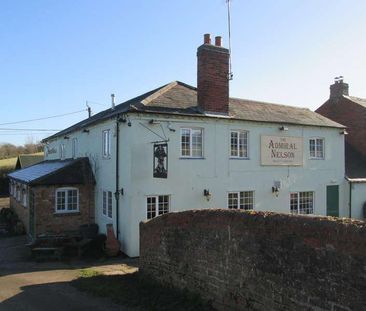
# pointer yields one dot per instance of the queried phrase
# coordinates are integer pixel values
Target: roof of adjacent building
(25, 160)
(178, 98)
(357, 100)
(355, 163)
(53, 172)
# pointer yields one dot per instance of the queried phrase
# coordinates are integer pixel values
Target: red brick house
(53, 196)
(351, 112)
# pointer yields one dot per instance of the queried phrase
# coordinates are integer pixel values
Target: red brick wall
(49, 221)
(350, 114)
(258, 261)
(212, 78)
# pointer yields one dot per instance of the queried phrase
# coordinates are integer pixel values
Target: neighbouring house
(350, 111)
(179, 147)
(53, 196)
(25, 160)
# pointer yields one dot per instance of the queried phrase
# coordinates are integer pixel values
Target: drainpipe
(117, 177)
(350, 199)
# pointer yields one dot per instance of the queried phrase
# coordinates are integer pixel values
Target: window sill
(106, 157)
(238, 158)
(107, 217)
(192, 158)
(316, 158)
(60, 214)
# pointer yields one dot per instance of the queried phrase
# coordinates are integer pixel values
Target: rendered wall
(258, 261)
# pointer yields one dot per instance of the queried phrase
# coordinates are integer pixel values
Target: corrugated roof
(32, 173)
(178, 98)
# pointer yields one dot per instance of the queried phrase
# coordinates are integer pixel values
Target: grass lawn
(129, 289)
(4, 202)
(8, 163)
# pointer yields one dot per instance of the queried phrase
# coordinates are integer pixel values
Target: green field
(8, 163)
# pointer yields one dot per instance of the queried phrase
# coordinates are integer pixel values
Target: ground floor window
(302, 202)
(157, 205)
(107, 203)
(67, 200)
(241, 200)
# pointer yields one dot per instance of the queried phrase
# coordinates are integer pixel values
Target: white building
(210, 152)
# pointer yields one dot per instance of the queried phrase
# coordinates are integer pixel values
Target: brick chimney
(212, 76)
(339, 88)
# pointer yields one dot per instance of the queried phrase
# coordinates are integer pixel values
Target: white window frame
(107, 203)
(66, 210)
(301, 199)
(74, 147)
(62, 151)
(191, 129)
(157, 211)
(245, 147)
(316, 148)
(106, 143)
(241, 196)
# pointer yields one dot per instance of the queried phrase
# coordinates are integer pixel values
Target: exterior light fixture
(275, 191)
(66, 137)
(86, 131)
(343, 132)
(283, 128)
(207, 194)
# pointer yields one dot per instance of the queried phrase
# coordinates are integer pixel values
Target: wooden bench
(40, 253)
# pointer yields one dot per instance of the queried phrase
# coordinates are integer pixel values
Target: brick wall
(258, 261)
(46, 218)
(350, 114)
(21, 211)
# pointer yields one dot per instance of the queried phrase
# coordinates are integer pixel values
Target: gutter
(117, 193)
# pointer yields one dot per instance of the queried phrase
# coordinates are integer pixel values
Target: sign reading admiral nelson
(281, 150)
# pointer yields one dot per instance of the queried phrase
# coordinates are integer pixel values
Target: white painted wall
(357, 200)
(187, 178)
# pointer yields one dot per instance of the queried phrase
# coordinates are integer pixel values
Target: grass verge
(130, 290)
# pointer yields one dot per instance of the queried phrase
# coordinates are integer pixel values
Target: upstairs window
(67, 200)
(62, 151)
(74, 147)
(302, 202)
(316, 146)
(157, 205)
(106, 141)
(25, 196)
(239, 144)
(241, 200)
(107, 203)
(191, 142)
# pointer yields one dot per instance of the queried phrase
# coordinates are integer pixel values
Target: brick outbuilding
(53, 196)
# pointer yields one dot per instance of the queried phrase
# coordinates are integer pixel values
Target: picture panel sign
(281, 150)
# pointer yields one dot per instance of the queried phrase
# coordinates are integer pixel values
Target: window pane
(233, 200)
(185, 142)
(247, 200)
(243, 145)
(151, 207)
(104, 203)
(163, 204)
(234, 144)
(60, 200)
(109, 204)
(294, 203)
(196, 143)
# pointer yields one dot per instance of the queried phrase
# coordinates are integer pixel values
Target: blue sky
(56, 55)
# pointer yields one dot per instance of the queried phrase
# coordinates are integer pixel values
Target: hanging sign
(281, 150)
(161, 160)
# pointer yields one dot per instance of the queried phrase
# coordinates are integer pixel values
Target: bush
(12, 221)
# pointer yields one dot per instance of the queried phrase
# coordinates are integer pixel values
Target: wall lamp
(343, 132)
(86, 131)
(283, 128)
(207, 194)
(117, 193)
(124, 118)
(276, 188)
(66, 137)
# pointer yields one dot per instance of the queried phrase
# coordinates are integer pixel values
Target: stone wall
(258, 261)
(46, 220)
(22, 212)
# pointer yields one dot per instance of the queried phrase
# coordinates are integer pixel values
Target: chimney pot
(218, 41)
(207, 38)
(113, 101)
(339, 88)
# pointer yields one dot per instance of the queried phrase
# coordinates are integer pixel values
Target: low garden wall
(258, 260)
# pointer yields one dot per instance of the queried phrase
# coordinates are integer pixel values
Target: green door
(333, 201)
